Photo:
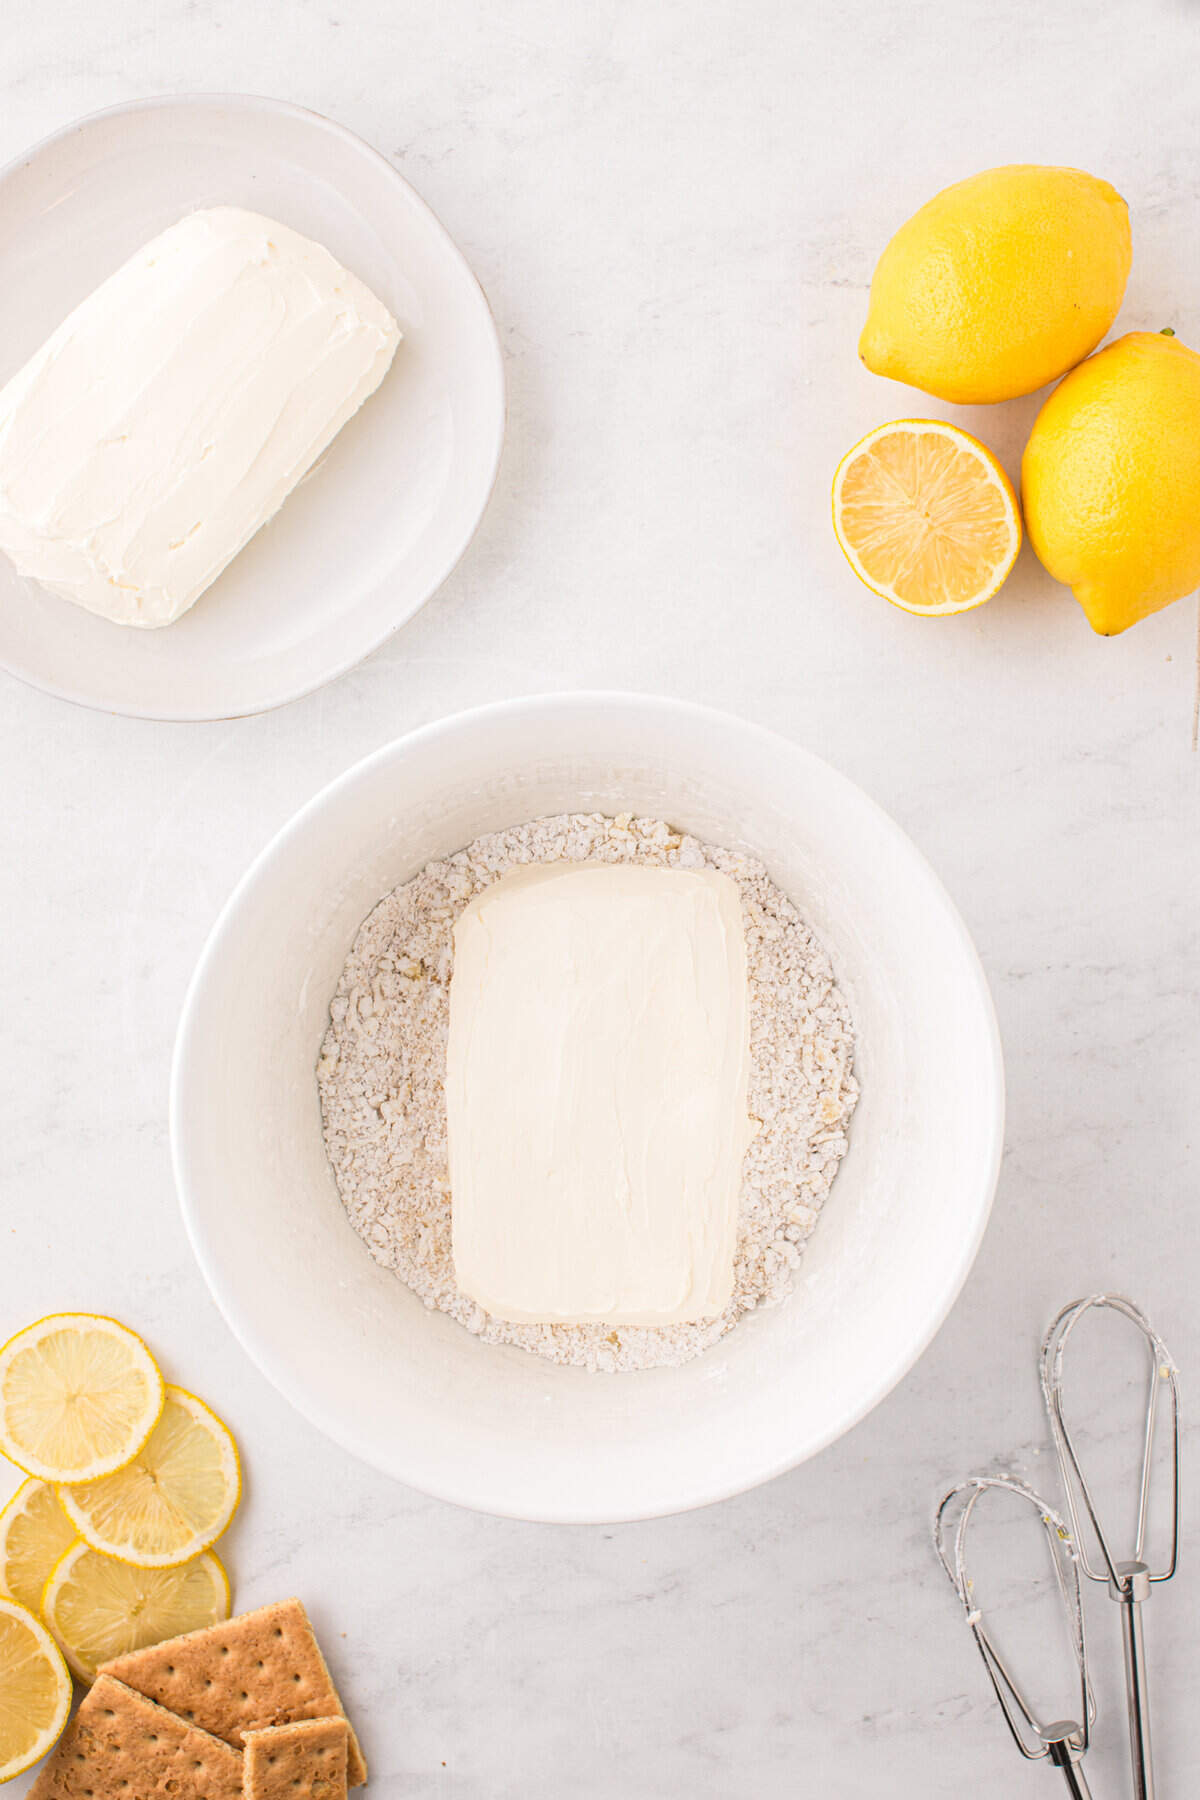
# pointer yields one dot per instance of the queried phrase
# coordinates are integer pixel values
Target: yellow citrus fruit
(173, 1500)
(35, 1534)
(999, 284)
(926, 516)
(35, 1690)
(79, 1396)
(98, 1608)
(1111, 479)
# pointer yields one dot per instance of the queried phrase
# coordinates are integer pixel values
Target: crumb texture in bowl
(383, 1063)
(408, 1390)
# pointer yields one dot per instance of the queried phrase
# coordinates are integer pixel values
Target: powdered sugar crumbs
(382, 1067)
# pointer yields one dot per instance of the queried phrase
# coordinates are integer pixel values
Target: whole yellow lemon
(1111, 479)
(999, 284)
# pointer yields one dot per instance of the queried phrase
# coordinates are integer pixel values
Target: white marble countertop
(675, 209)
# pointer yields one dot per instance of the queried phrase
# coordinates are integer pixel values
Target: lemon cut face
(173, 1500)
(35, 1534)
(79, 1396)
(98, 1608)
(35, 1690)
(926, 516)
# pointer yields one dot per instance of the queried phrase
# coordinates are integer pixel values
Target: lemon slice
(98, 1608)
(926, 516)
(35, 1690)
(173, 1500)
(79, 1396)
(35, 1534)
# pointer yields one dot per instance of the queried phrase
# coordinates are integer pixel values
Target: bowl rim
(274, 1365)
(238, 101)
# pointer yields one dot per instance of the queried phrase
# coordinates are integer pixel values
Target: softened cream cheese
(597, 1068)
(171, 414)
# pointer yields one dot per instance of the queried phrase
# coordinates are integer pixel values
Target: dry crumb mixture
(382, 1067)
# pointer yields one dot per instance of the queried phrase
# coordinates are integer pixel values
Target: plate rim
(266, 103)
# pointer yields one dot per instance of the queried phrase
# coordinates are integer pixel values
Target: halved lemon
(926, 516)
(173, 1500)
(35, 1690)
(98, 1608)
(79, 1396)
(35, 1534)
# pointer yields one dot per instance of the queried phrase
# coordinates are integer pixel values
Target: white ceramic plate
(496, 1428)
(379, 524)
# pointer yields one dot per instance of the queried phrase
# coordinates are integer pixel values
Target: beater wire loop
(1033, 1738)
(1112, 1567)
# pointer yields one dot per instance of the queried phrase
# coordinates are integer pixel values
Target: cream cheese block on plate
(597, 1068)
(172, 413)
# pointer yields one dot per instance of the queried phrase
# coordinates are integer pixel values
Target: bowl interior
(496, 1428)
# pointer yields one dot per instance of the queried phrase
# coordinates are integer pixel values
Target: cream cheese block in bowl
(597, 1066)
(407, 1389)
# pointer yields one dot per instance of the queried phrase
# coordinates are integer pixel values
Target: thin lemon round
(35, 1534)
(79, 1396)
(926, 516)
(173, 1500)
(35, 1690)
(98, 1608)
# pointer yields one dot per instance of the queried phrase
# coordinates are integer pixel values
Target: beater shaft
(1064, 1754)
(1134, 1590)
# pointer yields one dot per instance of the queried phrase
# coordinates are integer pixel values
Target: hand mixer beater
(1129, 1580)
(1064, 1742)
(1089, 1545)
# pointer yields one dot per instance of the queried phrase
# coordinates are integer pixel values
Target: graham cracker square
(288, 1762)
(120, 1745)
(263, 1668)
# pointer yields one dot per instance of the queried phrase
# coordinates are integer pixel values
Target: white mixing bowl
(495, 1428)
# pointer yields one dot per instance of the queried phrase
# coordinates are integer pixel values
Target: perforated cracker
(121, 1745)
(261, 1669)
(297, 1762)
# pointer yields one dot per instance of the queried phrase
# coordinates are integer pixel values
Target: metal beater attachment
(1062, 1742)
(1128, 1580)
